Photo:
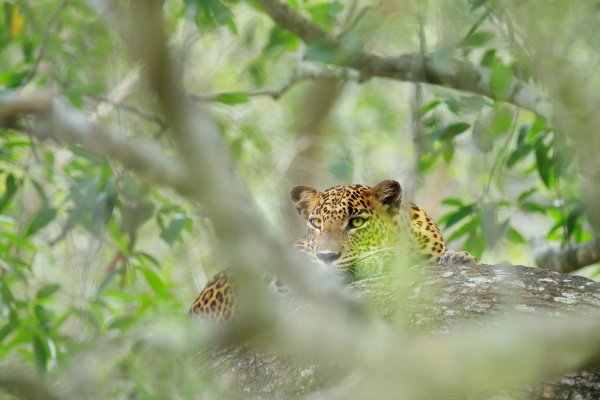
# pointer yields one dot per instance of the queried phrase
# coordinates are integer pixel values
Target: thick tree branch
(475, 347)
(452, 73)
(569, 259)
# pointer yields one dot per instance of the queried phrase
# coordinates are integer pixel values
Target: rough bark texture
(441, 299)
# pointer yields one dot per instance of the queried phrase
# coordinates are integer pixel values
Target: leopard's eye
(316, 222)
(356, 222)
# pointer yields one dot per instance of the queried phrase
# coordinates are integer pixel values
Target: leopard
(348, 226)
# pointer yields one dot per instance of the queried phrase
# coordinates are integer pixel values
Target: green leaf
(456, 129)
(280, 39)
(233, 97)
(325, 14)
(518, 154)
(13, 79)
(122, 322)
(47, 290)
(572, 220)
(39, 352)
(7, 329)
(40, 191)
(544, 163)
(501, 80)
(429, 106)
(489, 58)
(532, 207)
(173, 230)
(466, 228)
(149, 258)
(108, 279)
(6, 293)
(450, 131)
(453, 217)
(523, 196)
(155, 282)
(447, 151)
(514, 236)
(453, 202)
(16, 272)
(10, 188)
(478, 23)
(43, 316)
(475, 4)
(477, 39)
(213, 13)
(43, 218)
(501, 121)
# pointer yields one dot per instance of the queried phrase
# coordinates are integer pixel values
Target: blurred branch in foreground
(217, 187)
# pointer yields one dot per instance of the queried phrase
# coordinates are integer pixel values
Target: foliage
(88, 250)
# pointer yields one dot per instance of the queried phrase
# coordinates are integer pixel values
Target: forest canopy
(146, 145)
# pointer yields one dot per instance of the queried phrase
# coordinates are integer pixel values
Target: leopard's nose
(328, 256)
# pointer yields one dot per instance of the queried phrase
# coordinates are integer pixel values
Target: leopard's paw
(457, 257)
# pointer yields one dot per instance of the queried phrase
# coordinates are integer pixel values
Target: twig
(43, 44)
(300, 74)
(131, 108)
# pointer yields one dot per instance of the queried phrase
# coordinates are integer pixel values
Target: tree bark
(442, 300)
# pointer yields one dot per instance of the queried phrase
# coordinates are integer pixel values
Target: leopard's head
(347, 224)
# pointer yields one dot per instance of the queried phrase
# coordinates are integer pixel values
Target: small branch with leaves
(413, 67)
(302, 73)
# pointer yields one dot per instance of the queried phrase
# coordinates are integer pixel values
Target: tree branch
(65, 124)
(569, 259)
(303, 73)
(452, 73)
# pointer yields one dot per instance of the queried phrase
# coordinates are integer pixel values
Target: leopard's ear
(305, 199)
(388, 192)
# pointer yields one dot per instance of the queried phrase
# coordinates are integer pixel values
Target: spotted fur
(334, 238)
(216, 301)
